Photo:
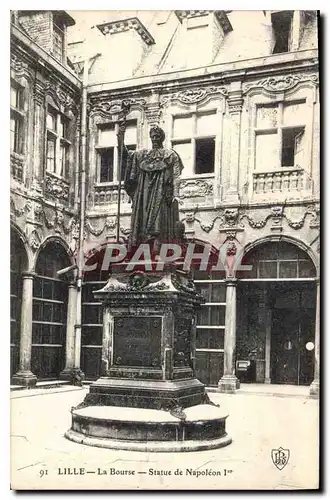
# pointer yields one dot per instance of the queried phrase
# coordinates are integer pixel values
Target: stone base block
(314, 389)
(202, 427)
(25, 378)
(73, 375)
(229, 384)
(153, 394)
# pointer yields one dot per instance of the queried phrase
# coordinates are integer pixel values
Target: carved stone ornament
(56, 221)
(20, 67)
(277, 214)
(231, 248)
(18, 212)
(153, 113)
(282, 83)
(195, 188)
(193, 96)
(138, 281)
(59, 188)
(111, 109)
(61, 97)
(34, 240)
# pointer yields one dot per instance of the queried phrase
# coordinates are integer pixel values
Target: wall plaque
(137, 341)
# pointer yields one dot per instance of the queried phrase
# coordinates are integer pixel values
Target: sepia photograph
(164, 250)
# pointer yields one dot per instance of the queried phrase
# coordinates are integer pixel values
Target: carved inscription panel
(137, 341)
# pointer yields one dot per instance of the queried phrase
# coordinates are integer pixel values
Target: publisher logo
(280, 457)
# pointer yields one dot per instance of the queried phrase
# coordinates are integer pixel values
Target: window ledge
(197, 176)
(279, 170)
(107, 184)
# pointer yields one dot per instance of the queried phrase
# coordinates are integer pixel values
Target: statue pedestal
(148, 361)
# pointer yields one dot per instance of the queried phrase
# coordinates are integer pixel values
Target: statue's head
(157, 135)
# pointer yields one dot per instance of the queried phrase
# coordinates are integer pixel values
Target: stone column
(77, 326)
(235, 103)
(25, 376)
(229, 382)
(268, 328)
(66, 374)
(314, 388)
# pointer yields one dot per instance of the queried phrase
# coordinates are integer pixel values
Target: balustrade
(279, 181)
(107, 195)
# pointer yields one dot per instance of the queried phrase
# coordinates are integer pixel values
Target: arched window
(18, 263)
(278, 260)
(50, 295)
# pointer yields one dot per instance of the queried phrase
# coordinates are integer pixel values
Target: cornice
(114, 27)
(257, 68)
(35, 56)
(220, 15)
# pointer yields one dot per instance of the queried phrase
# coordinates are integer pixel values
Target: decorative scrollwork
(282, 83)
(192, 188)
(193, 96)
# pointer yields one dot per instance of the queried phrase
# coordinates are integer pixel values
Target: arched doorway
(276, 314)
(50, 297)
(18, 264)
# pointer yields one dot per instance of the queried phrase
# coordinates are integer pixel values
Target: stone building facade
(237, 96)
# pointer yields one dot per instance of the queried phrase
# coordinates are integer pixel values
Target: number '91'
(43, 472)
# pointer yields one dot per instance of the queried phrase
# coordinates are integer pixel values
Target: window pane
(51, 121)
(306, 269)
(182, 126)
(92, 314)
(13, 134)
(63, 132)
(58, 37)
(287, 251)
(106, 165)
(63, 160)
(130, 133)
(290, 145)
(184, 150)
(14, 97)
(267, 269)
(207, 124)
(107, 136)
(51, 155)
(288, 269)
(209, 339)
(218, 292)
(267, 156)
(294, 113)
(218, 315)
(203, 316)
(267, 116)
(91, 335)
(205, 149)
(269, 251)
(203, 290)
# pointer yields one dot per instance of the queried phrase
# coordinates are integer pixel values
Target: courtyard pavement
(41, 455)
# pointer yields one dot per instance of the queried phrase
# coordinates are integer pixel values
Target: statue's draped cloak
(151, 180)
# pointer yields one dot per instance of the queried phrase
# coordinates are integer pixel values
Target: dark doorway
(292, 334)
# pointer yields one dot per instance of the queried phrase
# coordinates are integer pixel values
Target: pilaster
(25, 376)
(229, 382)
(314, 388)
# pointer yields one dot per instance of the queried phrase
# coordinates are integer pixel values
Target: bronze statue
(152, 181)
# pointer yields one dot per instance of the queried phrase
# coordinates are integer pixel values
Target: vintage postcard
(165, 252)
